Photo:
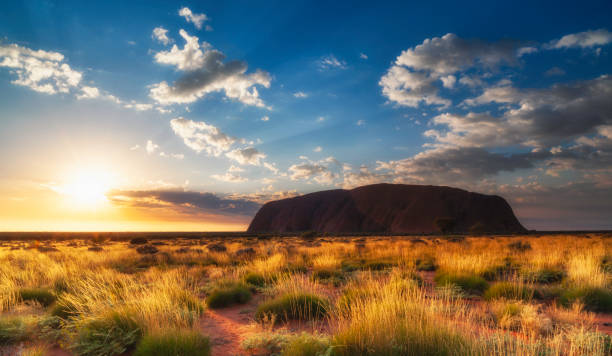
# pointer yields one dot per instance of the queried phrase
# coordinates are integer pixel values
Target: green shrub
(507, 268)
(306, 345)
(425, 263)
(236, 293)
(326, 275)
(544, 276)
(508, 290)
(174, 343)
(265, 343)
(50, 329)
(594, 299)
(40, 295)
(63, 309)
(378, 265)
(107, 335)
(350, 296)
(12, 330)
(255, 279)
(468, 283)
(294, 306)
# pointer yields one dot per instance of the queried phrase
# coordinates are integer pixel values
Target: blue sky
(194, 113)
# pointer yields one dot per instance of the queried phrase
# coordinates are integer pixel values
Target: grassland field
(547, 294)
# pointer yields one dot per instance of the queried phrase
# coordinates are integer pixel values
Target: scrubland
(441, 295)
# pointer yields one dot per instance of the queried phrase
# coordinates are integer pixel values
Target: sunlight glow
(86, 188)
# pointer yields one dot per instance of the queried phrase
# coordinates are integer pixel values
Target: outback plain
(532, 294)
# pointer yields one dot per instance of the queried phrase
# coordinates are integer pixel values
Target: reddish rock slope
(390, 208)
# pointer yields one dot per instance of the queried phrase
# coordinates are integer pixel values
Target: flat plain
(546, 294)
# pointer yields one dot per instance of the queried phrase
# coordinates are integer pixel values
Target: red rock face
(389, 208)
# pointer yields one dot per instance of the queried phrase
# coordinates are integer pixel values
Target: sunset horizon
(189, 117)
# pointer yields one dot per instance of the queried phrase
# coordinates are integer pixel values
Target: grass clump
(544, 276)
(306, 345)
(255, 279)
(174, 343)
(468, 283)
(294, 306)
(426, 263)
(40, 295)
(12, 330)
(224, 296)
(109, 334)
(509, 290)
(594, 299)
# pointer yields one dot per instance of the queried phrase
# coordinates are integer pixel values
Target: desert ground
(308, 295)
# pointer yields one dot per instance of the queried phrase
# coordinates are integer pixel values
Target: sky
(187, 116)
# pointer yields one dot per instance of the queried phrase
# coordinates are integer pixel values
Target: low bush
(63, 309)
(109, 334)
(593, 298)
(544, 276)
(255, 279)
(509, 290)
(425, 263)
(294, 306)
(504, 270)
(174, 343)
(329, 276)
(50, 329)
(306, 345)
(223, 296)
(40, 295)
(471, 284)
(12, 330)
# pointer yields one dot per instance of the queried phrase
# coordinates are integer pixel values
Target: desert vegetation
(308, 295)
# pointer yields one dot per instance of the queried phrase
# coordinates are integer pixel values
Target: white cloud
(331, 62)
(584, 39)
(408, 88)
(41, 71)
(234, 169)
(206, 73)
(196, 19)
(88, 93)
(363, 56)
(318, 149)
(320, 118)
(526, 50)
(448, 81)
(300, 94)
(245, 156)
(151, 147)
(134, 148)
(201, 136)
(360, 122)
(161, 34)
(229, 177)
(265, 118)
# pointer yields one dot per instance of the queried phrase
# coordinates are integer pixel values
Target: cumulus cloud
(183, 201)
(584, 39)
(42, 71)
(407, 88)
(265, 118)
(201, 136)
(416, 75)
(205, 73)
(178, 156)
(196, 19)
(300, 94)
(318, 149)
(450, 53)
(246, 156)
(161, 34)
(229, 177)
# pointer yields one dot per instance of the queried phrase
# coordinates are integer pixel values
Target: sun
(87, 188)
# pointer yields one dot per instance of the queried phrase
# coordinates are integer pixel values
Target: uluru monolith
(388, 208)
